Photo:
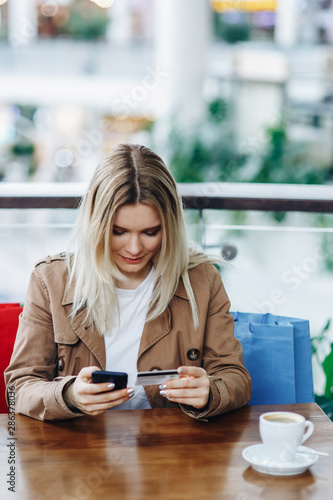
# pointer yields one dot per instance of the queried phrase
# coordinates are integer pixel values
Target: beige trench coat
(50, 349)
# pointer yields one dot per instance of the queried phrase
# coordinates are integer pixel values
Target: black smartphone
(119, 379)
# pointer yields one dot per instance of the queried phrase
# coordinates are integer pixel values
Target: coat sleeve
(32, 372)
(230, 382)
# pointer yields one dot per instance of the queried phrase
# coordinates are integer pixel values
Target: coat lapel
(90, 337)
(87, 333)
(155, 330)
(161, 326)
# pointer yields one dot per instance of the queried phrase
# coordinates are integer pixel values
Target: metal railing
(200, 196)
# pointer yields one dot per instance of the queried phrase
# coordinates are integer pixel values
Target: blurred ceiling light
(104, 4)
(49, 8)
(2, 2)
(243, 5)
(64, 158)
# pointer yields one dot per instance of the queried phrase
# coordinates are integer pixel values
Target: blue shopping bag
(277, 354)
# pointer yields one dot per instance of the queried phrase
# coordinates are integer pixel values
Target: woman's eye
(118, 232)
(152, 233)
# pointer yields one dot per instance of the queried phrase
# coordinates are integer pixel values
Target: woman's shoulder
(49, 259)
(205, 272)
(49, 279)
(53, 267)
(59, 260)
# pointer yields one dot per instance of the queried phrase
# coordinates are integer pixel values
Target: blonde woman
(130, 297)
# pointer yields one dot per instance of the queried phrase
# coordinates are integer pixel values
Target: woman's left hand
(192, 388)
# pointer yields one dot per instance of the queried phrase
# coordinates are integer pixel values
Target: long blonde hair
(129, 174)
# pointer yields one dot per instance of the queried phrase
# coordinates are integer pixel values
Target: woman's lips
(132, 261)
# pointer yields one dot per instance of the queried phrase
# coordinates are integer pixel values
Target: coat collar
(68, 297)
(181, 292)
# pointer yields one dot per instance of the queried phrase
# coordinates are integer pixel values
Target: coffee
(281, 419)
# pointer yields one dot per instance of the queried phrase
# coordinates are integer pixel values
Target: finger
(101, 407)
(101, 402)
(99, 388)
(182, 383)
(122, 394)
(186, 382)
(195, 402)
(85, 373)
(90, 395)
(177, 394)
(197, 397)
(192, 371)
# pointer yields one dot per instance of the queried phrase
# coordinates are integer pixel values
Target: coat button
(193, 354)
(61, 364)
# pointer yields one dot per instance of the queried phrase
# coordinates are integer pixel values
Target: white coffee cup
(282, 433)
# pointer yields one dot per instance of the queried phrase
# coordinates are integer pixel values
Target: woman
(131, 297)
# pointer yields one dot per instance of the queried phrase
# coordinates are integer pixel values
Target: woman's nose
(134, 245)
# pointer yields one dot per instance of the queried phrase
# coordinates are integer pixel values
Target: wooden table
(155, 454)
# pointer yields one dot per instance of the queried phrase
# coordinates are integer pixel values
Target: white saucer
(254, 455)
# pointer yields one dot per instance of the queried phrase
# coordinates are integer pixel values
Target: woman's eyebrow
(153, 228)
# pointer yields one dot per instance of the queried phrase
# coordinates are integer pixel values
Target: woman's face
(136, 237)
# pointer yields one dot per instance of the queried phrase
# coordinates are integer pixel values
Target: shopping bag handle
(261, 319)
(236, 319)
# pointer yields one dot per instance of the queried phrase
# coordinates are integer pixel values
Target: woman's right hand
(94, 399)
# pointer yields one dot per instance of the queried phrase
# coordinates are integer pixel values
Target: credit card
(156, 377)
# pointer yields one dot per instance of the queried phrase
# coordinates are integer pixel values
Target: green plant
(207, 152)
(231, 32)
(86, 21)
(284, 161)
(325, 401)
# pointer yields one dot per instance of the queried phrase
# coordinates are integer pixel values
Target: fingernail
(130, 392)
(180, 370)
(111, 386)
(163, 393)
(163, 386)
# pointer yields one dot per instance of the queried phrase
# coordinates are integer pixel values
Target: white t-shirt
(122, 343)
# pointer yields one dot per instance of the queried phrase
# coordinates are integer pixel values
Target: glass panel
(25, 237)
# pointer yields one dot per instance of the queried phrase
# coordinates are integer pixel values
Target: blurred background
(250, 79)
(234, 91)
